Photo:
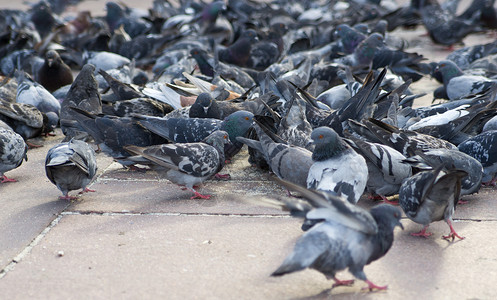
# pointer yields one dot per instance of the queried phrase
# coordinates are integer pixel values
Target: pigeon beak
(400, 224)
(49, 62)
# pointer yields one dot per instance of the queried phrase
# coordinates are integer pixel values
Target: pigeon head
(200, 57)
(449, 70)
(366, 50)
(204, 100)
(218, 139)
(114, 14)
(238, 123)
(212, 10)
(387, 216)
(327, 143)
(52, 58)
(52, 120)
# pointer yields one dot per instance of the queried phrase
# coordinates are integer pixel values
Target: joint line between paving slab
(31, 245)
(96, 213)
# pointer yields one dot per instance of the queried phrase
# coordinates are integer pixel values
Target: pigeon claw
(67, 197)
(5, 179)
(86, 190)
(197, 195)
(339, 282)
(222, 176)
(453, 234)
(372, 286)
(391, 202)
(422, 233)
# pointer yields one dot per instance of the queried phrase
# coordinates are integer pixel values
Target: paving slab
(30, 204)
(221, 257)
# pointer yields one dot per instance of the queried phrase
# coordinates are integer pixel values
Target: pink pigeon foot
(372, 286)
(67, 197)
(6, 179)
(452, 233)
(339, 282)
(462, 202)
(199, 196)
(422, 233)
(31, 145)
(222, 176)
(391, 202)
(87, 190)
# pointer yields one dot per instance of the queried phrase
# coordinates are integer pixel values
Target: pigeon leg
(372, 286)
(339, 282)
(222, 176)
(32, 145)
(391, 202)
(375, 197)
(137, 169)
(6, 179)
(197, 195)
(422, 233)
(461, 202)
(452, 233)
(86, 190)
(490, 183)
(67, 197)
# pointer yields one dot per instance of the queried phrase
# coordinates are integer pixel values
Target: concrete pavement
(140, 236)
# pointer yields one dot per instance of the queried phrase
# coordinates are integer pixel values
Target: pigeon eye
(442, 65)
(247, 118)
(320, 136)
(225, 137)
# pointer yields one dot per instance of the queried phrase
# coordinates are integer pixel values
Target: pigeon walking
(188, 164)
(70, 166)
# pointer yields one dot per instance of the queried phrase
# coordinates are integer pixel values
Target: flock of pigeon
(318, 90)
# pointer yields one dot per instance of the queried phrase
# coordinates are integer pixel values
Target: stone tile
(161, 196)
(179, 257)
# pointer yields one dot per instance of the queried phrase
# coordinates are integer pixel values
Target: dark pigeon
(54, 73)
(483, 148)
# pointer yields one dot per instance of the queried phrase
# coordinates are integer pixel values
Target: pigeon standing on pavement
(349, 237)
(83, 94)
(337, 167)
(12, 152)
(54, 73)
(188, 164)
(431, 196)
(70, 166)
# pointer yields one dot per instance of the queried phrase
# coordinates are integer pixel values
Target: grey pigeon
(70, 166)
(483, 148)
(194, 130)
(349, 237)
(188, 164)
(431, 196)
(337, 167)
(452, 159)
(25, 119)
(290, 163)
(12, 152)
(83, 94)
(458, 85)
(386, 169)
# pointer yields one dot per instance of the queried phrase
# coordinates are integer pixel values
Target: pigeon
(13, 151)
(31, 92)
(205, 107)
(290, 163)
(54, 73)
(431, 196)
(458, 85)
(364, 53)
(113, 133)
(451, 159)
(350, 38)
(181, 130)
(103, 60)
(239, 52)
(24, 119)
(83, 94)
(142, 106)
(483, 148)
(188, 164)
(349, 237)
(337, 167)
(70, 166)
(386, 169)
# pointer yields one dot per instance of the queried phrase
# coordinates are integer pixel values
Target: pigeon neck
(383, 240)
(328, 150)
